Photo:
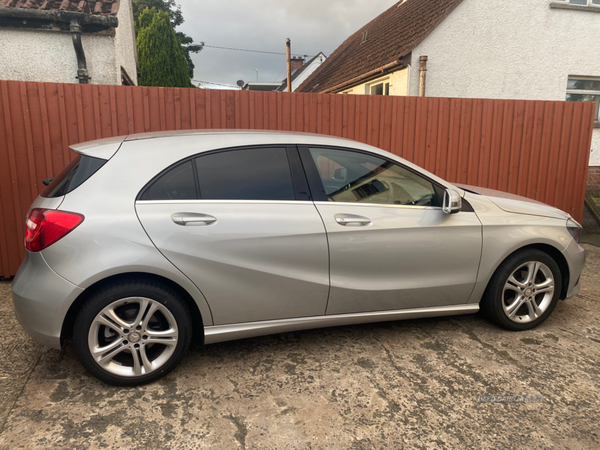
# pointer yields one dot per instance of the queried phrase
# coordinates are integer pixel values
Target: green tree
(168, 6)
(161, 58)
(176, 17)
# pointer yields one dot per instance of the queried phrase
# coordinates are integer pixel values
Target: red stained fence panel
(536, 149)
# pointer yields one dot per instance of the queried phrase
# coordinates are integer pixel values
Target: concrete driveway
(413, 384)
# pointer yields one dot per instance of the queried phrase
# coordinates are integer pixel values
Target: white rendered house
(68, 41)
(502, 49)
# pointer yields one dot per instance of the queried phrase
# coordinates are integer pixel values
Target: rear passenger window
(176, 184)
(247, 174)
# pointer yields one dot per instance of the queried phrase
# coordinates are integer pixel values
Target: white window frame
(589, 3)
(585, 91)
(373, 83)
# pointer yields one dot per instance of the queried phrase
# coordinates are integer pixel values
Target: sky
(312, 25)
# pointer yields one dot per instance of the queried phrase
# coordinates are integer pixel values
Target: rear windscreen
(72, 176)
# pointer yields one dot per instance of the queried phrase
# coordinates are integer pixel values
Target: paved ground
(413, 384)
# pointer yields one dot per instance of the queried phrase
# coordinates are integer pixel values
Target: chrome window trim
(231, 202)
(379, 205)
(281, 202)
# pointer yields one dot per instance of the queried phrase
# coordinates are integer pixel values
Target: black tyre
(132, 333)
(523, 291)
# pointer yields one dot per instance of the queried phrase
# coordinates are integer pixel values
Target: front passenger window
(356, 177)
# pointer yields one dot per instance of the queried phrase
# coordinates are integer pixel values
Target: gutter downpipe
(422, 75)
(82, 72)
(380, 70)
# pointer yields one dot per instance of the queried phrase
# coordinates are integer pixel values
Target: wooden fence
(533, 148)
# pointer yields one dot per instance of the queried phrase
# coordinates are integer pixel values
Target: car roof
(232, 133)
(107, 147)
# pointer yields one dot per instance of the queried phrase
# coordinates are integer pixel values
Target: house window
(379, 88)
(582, 2)
(584, 89)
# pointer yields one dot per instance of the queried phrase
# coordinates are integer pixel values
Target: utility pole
(288, 53)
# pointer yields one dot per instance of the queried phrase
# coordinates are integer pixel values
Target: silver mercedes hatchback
(148, 242)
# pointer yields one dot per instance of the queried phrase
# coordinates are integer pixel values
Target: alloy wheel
(528, 292)
(133, 336)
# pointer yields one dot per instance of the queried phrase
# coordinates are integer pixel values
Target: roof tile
(95, 7)
(388, 37)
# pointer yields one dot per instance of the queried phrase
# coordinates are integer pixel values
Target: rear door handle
(193, 219)
(352, 220)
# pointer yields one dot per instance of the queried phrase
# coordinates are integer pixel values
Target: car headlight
(575, 229)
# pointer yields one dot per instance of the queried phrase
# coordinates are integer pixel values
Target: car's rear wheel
(132, 333)
(523, 291)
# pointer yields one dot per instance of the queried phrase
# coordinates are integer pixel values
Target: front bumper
(575, 256)
(42, 299)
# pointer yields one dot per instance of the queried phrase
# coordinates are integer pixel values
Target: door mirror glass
(452, 202)
(340, 174)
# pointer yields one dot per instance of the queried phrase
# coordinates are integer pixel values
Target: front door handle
(192, 219)
(352, 220)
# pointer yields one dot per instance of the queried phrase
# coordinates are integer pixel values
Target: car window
(72, 176)
(356, 177)
(246, 174)
(176, 184)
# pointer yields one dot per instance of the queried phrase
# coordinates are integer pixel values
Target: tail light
(46, 226)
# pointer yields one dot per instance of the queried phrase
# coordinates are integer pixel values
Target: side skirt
(222, 333)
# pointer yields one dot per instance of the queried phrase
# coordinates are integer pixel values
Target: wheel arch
(197, 322)
(561, 261)
(555, 254)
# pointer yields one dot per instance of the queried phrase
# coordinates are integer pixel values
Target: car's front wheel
(132, 333)
(523, 291)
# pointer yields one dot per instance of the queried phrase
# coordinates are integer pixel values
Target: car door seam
(328, 258)
(171, 262)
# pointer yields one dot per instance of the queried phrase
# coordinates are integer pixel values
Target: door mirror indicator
(452, 202)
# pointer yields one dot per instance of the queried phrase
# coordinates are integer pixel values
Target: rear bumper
(575, 256)
(42, 299)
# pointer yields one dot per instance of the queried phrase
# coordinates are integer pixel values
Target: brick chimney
(296, 63)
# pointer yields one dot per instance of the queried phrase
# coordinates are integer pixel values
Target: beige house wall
(398, 84)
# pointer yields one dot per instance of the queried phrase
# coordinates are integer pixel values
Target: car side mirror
(340, 174)
(452, 202)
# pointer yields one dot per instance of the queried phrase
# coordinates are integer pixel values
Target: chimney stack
(296, 63)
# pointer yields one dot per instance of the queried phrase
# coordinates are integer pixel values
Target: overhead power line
(251, 51)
